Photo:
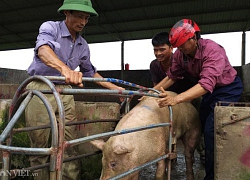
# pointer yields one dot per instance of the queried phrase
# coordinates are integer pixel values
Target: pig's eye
(112, 164)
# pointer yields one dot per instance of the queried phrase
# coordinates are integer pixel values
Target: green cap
(78, 5)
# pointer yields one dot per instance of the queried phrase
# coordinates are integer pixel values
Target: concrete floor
(178, 171)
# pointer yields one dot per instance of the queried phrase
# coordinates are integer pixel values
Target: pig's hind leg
(190, 140)
(160, 170)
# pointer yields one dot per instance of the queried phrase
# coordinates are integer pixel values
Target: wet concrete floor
(178, 170)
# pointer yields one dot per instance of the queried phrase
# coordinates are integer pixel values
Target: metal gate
(21, 99)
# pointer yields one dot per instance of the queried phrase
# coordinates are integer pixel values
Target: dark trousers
(229, 93)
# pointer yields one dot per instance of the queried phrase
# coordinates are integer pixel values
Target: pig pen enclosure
(95, 126)
(88, 132)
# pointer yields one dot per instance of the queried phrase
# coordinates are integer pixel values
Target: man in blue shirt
(59, 50)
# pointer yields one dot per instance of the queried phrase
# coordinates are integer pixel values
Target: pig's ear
(119, 149)
(99, 143)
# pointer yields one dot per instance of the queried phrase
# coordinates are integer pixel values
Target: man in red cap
(218, 81)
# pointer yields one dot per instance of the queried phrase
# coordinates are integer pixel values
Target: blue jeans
(229, 93)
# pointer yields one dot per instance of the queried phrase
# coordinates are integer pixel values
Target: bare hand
(121, 89)
(167, 99)
(143, 97)
(73, 77)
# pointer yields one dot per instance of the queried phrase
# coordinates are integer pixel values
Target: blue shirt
(73, 54)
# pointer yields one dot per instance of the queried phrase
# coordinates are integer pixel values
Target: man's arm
(48, 57)
(190, 94)
(165, 83)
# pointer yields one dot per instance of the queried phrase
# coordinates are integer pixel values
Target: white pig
(127, 151)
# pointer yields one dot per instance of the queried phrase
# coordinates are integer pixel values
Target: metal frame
(21, 99)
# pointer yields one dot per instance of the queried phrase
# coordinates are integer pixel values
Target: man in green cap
(59, 50)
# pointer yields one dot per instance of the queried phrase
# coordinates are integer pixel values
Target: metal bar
(122, 59)
(52, 117)
(112, 80)
(127, 106)
(5, 163)
(65, 160)
(138, 168)
(23, 150)
(170, 139)
(108, 134)
(18, 130)
(243, 48)
(14, 119)
(101, 91)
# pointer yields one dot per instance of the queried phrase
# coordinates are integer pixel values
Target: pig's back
(144, 113)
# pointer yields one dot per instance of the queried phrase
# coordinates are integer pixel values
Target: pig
(124, 152)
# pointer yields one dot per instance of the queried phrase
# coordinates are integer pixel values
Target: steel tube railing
(55, 157)
(112, 133)
(138, 168)
(22, 98)
(101, 91)
(112, 80)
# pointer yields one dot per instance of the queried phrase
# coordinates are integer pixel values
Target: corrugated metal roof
(121, 20)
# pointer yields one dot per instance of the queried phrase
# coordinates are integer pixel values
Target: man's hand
(142, 98)
(166, 99)
(121, 89)
(73, 77)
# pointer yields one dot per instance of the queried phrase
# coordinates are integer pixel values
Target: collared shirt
(210, 64)
(157, 71)
(73, 54)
